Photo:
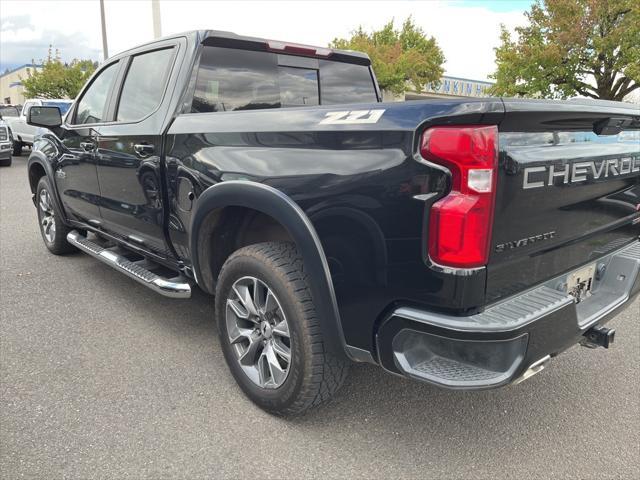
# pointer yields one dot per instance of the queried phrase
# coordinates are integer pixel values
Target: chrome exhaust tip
(535, 367)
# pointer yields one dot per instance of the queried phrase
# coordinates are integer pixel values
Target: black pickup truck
(459, 242)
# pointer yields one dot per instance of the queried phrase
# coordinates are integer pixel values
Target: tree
(572, 47)
(399, 57)
(57, 79)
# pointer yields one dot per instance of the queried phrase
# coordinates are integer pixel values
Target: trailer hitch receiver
(598, 336)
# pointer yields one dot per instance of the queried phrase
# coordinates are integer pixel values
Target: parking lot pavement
(101, 377)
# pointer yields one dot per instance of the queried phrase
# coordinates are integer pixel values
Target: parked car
(7, 110)
(459, 242)
(6, 144)
(25, 134)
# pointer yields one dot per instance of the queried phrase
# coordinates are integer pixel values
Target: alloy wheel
(258, 332)
(47, 216)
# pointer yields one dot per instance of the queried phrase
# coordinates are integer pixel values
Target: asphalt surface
(102, 378)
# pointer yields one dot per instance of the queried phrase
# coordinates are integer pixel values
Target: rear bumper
(497, 346)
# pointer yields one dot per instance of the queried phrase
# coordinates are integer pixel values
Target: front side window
(93, 104)
(144, 85)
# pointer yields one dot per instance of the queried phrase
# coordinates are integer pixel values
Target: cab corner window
(144, 85)
(93, 104)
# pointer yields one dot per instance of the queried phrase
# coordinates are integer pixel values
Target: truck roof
(233, 40)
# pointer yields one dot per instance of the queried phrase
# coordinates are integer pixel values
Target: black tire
(5, 162)
(314, 374)
(17, 148)
(57, 243)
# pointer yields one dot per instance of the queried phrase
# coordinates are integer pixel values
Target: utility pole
(105, 50)
(157, 25)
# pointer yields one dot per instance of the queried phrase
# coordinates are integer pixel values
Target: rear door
(129, 149)
(568, 189)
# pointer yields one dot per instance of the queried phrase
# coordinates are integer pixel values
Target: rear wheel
(269, 331)
(17, 148)
(54, 231)
(6, 162)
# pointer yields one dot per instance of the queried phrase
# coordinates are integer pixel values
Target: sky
(466, 30)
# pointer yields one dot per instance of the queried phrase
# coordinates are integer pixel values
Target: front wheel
(270, 333)
(54, 231)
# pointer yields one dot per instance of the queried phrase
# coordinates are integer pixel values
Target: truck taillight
(460, 224)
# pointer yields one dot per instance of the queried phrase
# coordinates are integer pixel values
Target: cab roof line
(216, 38)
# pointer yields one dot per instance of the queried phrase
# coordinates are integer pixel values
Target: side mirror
(47, 117)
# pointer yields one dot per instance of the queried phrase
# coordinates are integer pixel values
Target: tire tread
(327, 372)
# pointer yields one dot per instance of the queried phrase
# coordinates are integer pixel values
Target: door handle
(88, 146)
(143, 149)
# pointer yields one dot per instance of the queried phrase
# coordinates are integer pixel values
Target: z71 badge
(352, 116)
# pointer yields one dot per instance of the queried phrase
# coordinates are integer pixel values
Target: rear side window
(92, 106)
(232, 79)
(144, 85)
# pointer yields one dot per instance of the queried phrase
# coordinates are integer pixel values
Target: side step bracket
(176, 287)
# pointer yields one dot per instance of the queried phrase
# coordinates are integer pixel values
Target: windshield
(63, 106)
(9, 112)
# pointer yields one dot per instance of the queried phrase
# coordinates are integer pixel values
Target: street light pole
(105, 50)
(157, 26)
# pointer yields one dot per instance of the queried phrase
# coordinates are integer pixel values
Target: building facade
(11, 89)
(448, 87)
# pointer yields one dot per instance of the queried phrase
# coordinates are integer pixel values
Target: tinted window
(144, 85)
(346, 83)
(232, 79)
(92, 106)
(298, 86)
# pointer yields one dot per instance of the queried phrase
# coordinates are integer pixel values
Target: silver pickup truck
(24, 134)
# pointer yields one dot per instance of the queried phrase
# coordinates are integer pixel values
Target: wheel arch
(37, 167)
(275, 204)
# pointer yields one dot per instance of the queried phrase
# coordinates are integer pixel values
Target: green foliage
(572, 47)
(400, 58)
(57, 79)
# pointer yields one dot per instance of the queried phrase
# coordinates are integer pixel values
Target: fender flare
(272, 202)
(37, 157)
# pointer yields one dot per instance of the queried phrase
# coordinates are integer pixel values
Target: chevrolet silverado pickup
(462, 242)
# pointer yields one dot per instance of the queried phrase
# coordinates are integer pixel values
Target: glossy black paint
(361, 190)
(588, 218)
(356, 183)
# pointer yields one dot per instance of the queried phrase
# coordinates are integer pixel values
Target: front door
(76, 175)
(128, 154)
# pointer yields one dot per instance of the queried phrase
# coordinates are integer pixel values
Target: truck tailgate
(568, 189)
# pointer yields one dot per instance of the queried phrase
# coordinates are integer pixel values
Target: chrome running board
(176, 287)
